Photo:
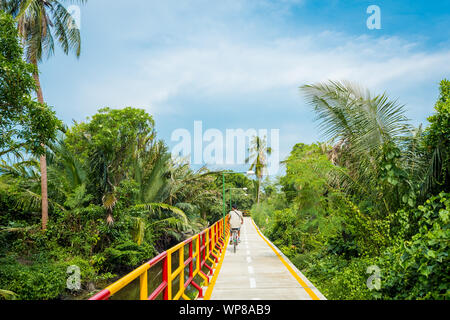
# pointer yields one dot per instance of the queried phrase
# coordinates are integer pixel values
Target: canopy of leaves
(437, 141)
(41, 23)
(374, 197)
(24, 123)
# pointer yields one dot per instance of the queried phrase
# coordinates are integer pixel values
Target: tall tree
(24, 123)
(368, 134)
(437, 142)
(258, 157)
(38, 22)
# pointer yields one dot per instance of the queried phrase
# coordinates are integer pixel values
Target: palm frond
(8, 295)
(138, 230)
(152, 206)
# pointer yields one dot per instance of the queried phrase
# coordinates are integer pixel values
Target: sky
(239, 63)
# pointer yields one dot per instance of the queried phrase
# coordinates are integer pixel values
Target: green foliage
(343, 245)
(369, 199)
(38, 281)
(42, 24)
(262, 213)
(419, 268)
(110, 166)
(41, 276)
(7, 295)
(285, 228)
(307, 171)
(368, 202)
(437, 141)
(24, 123)
(126, 253)
(107, 146)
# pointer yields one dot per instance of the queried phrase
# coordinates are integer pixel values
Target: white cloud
(220, 68)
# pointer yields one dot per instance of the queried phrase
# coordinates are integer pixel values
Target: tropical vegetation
(366, 214)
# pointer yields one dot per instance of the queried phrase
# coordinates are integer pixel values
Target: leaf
(109, 201)
(431, 254)
(405, 198)
(147, 206)
(8, 295)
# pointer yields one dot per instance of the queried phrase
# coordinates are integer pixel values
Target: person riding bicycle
(236, 220)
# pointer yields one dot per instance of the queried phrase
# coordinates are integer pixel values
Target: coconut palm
(21, 180)
(39, 22)
(351, 115)
(258, 157)
(366, 131)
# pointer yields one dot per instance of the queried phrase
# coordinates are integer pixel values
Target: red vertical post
(217, 232)
(191, 264)
(165, 279)
(203, 253)
(210, 239)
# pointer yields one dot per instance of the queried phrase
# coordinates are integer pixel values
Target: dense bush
(415, 265)
(367, 217)
(128, 254)
(38, 281)
(419, 268)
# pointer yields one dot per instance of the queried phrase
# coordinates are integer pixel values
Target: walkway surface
(259, 271)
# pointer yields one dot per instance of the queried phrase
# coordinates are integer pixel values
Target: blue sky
(239, 63)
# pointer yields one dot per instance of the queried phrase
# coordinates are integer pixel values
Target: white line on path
(252, 283)
(251, 270)
(249, 260)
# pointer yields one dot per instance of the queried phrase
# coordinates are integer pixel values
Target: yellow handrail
(206, 253)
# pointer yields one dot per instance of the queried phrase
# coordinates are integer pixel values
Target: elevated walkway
(258, 271)
(205, 267)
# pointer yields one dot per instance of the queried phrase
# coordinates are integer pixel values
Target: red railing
(204, 252)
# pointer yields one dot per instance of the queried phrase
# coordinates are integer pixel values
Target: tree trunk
(43, 159)
(259, 185)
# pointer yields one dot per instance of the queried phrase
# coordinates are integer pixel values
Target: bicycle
(234, 237)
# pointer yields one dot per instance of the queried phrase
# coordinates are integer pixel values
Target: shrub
(39, 281)
(126, 255)
(419, 268)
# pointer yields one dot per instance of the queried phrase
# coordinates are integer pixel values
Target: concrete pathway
(259, 271)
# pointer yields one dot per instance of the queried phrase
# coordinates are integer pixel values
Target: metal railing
(203, 251)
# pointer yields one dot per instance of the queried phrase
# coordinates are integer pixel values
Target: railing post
(207, 242)
(165, 279)
(191, 256)
(181, 265)
(144, 286)
(169, 276)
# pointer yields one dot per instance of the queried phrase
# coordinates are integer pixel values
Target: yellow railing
(203, 250)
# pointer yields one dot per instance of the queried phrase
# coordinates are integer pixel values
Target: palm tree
(351, 115)
(21, 180)
(38, 22)
(364, 130)
(258, 153)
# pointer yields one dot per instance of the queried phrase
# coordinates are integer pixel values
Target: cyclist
(236, 220)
